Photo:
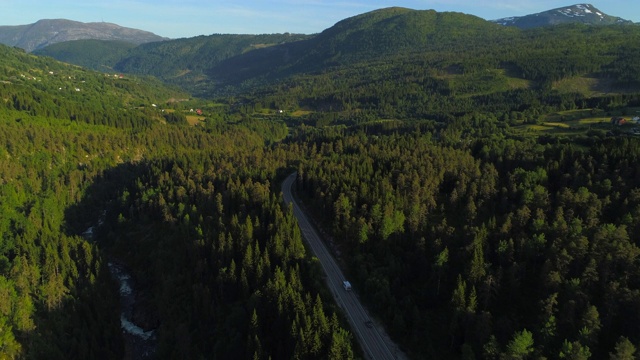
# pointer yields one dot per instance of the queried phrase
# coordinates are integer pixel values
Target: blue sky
(187, 18)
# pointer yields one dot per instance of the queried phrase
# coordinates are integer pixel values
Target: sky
(188, 18)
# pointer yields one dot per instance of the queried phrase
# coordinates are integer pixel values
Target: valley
(477, 185)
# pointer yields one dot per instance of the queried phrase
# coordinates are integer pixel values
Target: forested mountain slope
(99, 55)
(526, 72)
(210, 62)
(464, 55)
(381, 35)
(227, 274)
(445, 44)
(44, 87)
(185, 61)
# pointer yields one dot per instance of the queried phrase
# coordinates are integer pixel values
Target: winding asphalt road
(371, 336)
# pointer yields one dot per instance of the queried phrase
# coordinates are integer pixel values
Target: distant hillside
(397, 51)
(185, 61)
(202, 64)
(580, 13)
(388, 31)
(45, 87)
(100, 55)
(423, 64)
(46, 32)
(376, 35)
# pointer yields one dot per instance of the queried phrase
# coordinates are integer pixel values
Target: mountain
(579, 13)
(396, 30)
(425, 64)
(204, 62)
(46, 32)
(380, 34)
(452, 52)
(445, 42)
(185, 60)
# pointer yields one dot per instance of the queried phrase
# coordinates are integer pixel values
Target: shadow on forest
(98, 198)
(113, 294)
(79, 317)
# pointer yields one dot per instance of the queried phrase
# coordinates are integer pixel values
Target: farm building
(616, 120)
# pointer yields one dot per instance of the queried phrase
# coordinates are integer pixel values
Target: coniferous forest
(483, 208)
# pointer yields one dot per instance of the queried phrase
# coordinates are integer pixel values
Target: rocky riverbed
(139, 343)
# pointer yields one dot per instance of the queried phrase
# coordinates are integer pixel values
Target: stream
(139, 344)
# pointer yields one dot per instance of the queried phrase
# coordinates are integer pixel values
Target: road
(372, 338)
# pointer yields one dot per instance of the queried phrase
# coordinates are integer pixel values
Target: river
(139, 344)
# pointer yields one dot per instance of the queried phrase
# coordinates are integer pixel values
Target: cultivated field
(578, 122)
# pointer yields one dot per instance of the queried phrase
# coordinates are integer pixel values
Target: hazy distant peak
(51, 31)
(579, 13)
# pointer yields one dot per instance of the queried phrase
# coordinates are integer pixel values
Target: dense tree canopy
(522, 248)
(466, 237)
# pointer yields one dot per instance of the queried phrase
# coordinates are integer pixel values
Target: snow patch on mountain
(580, 10)
(579, 13)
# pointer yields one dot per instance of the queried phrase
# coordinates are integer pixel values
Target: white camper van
(346, 285)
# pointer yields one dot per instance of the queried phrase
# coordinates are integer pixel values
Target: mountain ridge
(46, 32)
(380, 33)
(579, 13)
(455, 46)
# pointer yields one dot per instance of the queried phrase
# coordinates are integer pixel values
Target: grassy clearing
(550, 129)
(592, 86)
(557, 125)
(593, 120)
(484, 82)
(576, 122)
(583, 85)
(300, 113)
(270, 112)
(517, 83)
(194, 119)
(256, 46)
(574, 118)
